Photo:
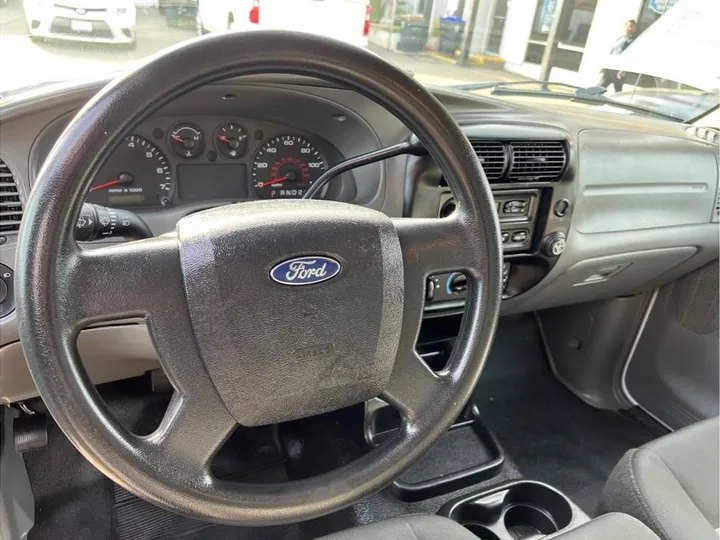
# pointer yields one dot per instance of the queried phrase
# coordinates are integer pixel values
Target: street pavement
(431, 68)
(26, 62)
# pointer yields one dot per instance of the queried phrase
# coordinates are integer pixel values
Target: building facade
(587, 30)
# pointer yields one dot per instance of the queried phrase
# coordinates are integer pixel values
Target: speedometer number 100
(285, 167)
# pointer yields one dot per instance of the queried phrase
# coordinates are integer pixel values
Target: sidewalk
(431, 68)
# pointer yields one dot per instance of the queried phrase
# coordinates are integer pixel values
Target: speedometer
(137, 173)
(285, 167)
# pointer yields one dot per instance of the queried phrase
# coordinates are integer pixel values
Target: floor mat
(550, 434)
(73, 500)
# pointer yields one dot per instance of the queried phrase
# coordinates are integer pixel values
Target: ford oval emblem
(305, 270)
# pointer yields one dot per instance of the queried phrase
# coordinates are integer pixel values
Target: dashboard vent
(537, 160)
(492, 156)
(10, 205)
(709, 134)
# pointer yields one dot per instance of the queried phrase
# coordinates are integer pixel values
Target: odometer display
(285, 167)
(137, 173)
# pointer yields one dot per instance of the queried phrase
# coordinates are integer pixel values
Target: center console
(530, 171)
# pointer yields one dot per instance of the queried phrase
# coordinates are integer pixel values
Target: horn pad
(296, 306)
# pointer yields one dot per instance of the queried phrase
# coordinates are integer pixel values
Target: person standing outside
(611, 76)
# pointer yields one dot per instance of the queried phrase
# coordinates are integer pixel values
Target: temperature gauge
(187, 140)
(231, 140)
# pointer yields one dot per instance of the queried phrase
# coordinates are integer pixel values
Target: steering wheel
(207, 295)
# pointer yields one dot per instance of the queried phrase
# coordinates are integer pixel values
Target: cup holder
(483, 533)
(519, 511)
(524, 522)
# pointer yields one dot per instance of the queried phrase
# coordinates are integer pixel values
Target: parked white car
(346, 20)
(102, 21)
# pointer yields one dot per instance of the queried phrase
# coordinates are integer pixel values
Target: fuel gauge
(187, 140)
(231, 140)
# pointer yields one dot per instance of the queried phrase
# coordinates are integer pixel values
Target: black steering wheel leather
(199, 288)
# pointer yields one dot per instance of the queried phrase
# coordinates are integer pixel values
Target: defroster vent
(10, 205)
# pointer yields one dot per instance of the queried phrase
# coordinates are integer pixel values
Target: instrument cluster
(168, 162)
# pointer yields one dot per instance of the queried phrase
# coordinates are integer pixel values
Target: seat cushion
(424, 527)
(416, 527)
(608, 527)
(671, 484)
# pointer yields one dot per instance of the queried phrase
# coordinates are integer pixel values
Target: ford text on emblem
(305, 270)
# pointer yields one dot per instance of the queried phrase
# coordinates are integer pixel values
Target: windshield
(658, 55)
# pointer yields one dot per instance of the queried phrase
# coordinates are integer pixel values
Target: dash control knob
(3, 291)
(7, 292)
(457, 283)
(553, 245)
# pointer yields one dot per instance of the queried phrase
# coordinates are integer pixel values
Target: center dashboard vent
(10, 205)
(537, 160)
(493, 157)
(520, 161)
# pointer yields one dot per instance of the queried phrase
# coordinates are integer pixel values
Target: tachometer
(137, 173)
(285, 166)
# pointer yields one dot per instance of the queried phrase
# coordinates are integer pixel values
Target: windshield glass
(659, 55)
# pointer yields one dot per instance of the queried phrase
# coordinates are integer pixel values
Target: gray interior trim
(675, 186)
(674, 371)
(109, 353)
(588, 345)
(17, 505)
(638, 335)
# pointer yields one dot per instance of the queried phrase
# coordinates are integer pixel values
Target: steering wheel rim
(59, 289)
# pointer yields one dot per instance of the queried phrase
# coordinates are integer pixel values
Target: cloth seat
(427, 527)
(671, 484)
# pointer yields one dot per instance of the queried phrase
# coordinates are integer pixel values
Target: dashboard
(591, 204)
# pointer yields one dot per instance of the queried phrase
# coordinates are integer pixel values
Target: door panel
(674, 371)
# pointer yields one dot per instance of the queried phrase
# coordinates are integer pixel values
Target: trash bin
(414, 31)
(451, 35)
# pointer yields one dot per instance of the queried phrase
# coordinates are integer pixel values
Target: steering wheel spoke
(429, 246)
(131, 279)
(191, 432)
(411, 383)
(432, 246)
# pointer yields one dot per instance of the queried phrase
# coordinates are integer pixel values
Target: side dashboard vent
(709, 134)
(493, 157)
(537, 160)
(10, 205)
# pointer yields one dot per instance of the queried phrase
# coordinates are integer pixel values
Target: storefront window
(575, 23)
(497, 27)
(577, 18)
(543, 19)
(574, 27)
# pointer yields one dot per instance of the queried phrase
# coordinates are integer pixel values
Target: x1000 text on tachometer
(137, 173)
(285, 167)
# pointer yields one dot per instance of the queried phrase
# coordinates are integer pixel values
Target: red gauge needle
(224, 139)
(105, 185)
(178, 139)
(271, 182)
